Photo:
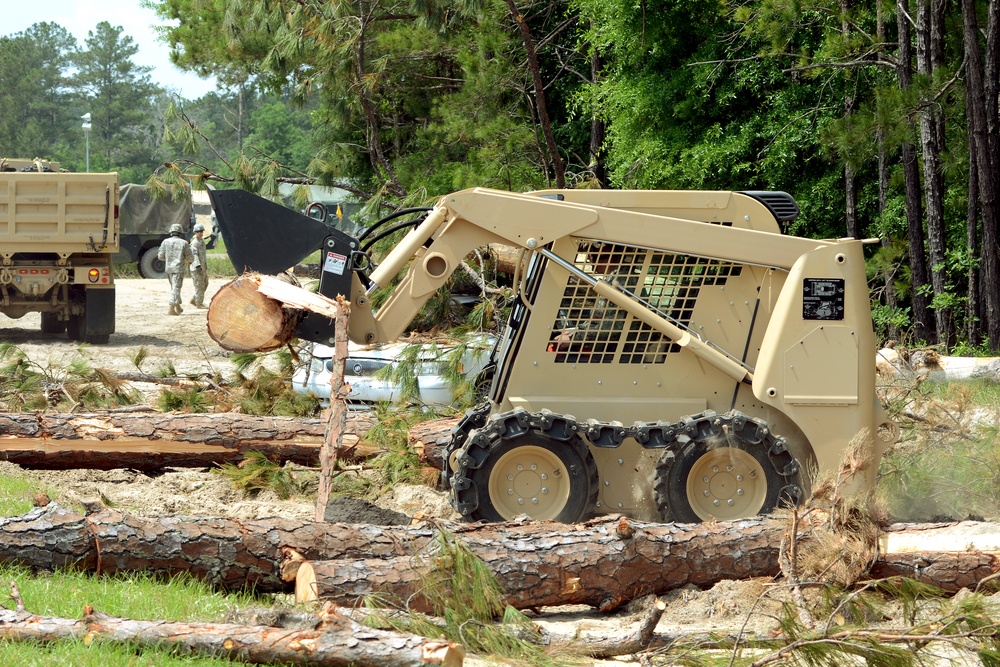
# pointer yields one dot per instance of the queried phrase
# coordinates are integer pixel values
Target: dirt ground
(141, 321)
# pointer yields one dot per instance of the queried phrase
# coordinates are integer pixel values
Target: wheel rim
(529, 480)
(726, 483)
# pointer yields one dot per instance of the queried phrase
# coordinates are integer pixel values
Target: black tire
(51, 324)
(733, 469)
(150, 265)
(530, 474)
(482, 385)
(75, 327)
(97, 339)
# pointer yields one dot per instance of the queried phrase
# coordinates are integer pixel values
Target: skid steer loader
(669, 355)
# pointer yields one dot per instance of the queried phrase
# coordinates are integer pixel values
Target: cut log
(430, 439)
(225, 553)
(242, 319)
(336, 640)
(150, 441)
(607, 562)
(603, 563)
(505, 257)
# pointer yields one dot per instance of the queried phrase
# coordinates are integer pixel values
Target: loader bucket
(263, 236)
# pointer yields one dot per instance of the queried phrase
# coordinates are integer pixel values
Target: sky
(81, 16)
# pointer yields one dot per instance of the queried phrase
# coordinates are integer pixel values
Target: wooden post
(279, 295)
(337, 422)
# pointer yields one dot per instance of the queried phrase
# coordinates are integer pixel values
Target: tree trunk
(930, 58)
(851, 202)
(923, 323)
(987, 160)
(242, 319)
(609, 561)
(336, 641)
(891, 269)
(336, 427)
(558, 167)
(150, 441)
(603, 563)
(430, 439)
(223, 552)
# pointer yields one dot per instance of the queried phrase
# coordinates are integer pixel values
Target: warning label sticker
(335, 263)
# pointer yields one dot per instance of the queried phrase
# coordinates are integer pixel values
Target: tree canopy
(880, 119)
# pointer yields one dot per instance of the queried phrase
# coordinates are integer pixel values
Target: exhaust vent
(781, 204)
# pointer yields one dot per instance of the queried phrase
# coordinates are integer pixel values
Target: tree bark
(336, 640)
(150, 441)
(430, 439)
(923, 323)
(558, 166)
(930, 59)
(980, 85)
(223, 552)
(603, 563)
(336, 427)
(607, 562)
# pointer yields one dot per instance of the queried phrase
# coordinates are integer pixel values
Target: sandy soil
(141, 321)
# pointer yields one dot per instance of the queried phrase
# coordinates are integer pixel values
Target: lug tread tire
(474, 503)
(670, 484)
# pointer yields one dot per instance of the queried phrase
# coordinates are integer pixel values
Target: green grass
(137, 596)
(977, 392)
(17, 493)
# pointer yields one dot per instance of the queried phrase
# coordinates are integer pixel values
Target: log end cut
(306, 589)
(241, 319)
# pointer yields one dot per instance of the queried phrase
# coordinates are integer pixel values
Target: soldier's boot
(172, 310)
(192, 302)
(179, 309)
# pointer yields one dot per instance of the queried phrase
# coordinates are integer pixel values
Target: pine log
(505, 257)
(603, 563)
(223, 552)
(609, 561)
(242, 319)
(430, 439)
(336, 640)
(150, 441)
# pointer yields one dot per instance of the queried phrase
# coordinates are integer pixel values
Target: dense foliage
(881, 119)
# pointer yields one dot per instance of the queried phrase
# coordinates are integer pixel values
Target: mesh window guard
(591, 330)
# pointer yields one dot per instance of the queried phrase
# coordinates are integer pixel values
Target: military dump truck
(58, 232)
(145, 223)
(668, 355)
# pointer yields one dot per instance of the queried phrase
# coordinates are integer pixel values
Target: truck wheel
(51, 324)
(531, 474)
(733, 469)
(150, 265)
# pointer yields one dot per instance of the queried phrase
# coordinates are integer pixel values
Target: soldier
(175, 253)
(199, 267)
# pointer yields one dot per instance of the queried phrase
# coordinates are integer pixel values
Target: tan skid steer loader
(669, 355)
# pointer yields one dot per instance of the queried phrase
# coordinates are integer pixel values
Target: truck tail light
(94, 275)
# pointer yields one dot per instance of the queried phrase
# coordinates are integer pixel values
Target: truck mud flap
(99, 320)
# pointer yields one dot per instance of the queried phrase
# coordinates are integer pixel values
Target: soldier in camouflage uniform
(176, 254)
(199, 267)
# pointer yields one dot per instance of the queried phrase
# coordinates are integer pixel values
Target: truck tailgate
(58, 212)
